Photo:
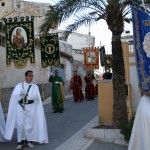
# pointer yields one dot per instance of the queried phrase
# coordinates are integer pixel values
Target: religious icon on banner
(91, 58)
(19, 41)
(19, 38)
(50, 55)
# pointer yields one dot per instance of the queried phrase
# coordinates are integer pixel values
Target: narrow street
(62, 126)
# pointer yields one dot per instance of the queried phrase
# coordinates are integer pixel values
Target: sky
(99, 30)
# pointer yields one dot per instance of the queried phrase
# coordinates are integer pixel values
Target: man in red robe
(89, 88)
(75, 85)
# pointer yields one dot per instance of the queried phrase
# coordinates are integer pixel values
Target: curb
(106, 135)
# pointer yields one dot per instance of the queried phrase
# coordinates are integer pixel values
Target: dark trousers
(24, 142)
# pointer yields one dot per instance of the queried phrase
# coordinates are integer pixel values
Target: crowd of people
(76, 87)
(26, 113)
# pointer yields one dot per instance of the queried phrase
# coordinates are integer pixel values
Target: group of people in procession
(26, 113)
(76, 86)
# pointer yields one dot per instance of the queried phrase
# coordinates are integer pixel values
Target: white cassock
(140, 136)
(2, 124)
(31, 122)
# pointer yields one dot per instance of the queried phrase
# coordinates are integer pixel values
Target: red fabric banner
(91, 58)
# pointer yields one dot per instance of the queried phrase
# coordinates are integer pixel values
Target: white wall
(79, 41)
(65, 47)
(8, 8)
(10, 76)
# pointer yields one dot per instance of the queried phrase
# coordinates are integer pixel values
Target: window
(3, 4)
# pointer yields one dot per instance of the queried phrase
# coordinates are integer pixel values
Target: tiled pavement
(79, 142)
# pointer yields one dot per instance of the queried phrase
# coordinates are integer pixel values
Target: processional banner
(141, 28)
(19, 41)
(91, 58)
(108, 62)
(102, 55)
(50, 55)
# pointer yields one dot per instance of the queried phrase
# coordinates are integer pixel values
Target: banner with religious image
(19, 41)
(91, 58)
(50, 55)
(141, 30)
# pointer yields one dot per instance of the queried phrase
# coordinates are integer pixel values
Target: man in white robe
(2, 124)
(27, 115)
(140, 136)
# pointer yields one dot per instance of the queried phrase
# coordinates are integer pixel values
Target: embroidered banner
(108, 62)
(102, 55)
(141, 28)
(91, 58)
(50, 54)
(19, 41)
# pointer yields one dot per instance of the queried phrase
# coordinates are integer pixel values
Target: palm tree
(87, 12)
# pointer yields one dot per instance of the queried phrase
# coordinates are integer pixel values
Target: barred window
(3, 4)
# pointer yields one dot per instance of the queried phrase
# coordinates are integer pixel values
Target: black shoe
(55, 111)
(60, 111)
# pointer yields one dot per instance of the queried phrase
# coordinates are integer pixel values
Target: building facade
(10, 75)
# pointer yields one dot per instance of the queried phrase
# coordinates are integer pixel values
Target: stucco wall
(8, 8)
(79, 41)
(10, 75)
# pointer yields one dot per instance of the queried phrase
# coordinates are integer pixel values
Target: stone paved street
(66, 130)
(63, 126)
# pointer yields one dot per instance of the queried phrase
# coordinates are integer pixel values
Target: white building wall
(37, 10)
(79, 42)
(10, 75)
(8, 8)
(77, 57)
(65, 47)
(67, 69)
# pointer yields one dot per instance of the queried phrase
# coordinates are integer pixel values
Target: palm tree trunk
(119, 88)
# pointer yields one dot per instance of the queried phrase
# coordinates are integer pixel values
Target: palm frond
(85, 19)
(80, 5)
(52, 19)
